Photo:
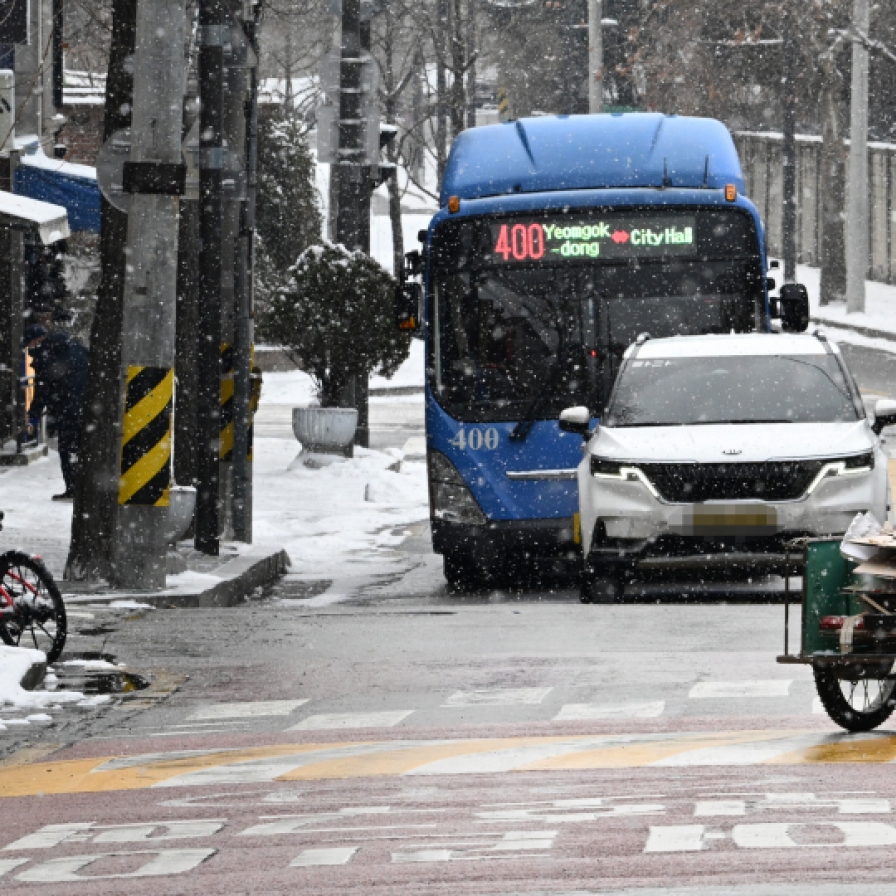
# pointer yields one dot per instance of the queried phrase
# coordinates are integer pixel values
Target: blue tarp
(79, 195)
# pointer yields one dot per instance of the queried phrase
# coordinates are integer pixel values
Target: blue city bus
(559, 240)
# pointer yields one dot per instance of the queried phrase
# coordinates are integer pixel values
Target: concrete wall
(760, 156)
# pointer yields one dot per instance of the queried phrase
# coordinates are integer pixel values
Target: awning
(62, 183)
(50, 221)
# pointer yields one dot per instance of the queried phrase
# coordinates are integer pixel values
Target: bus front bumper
(552, 539)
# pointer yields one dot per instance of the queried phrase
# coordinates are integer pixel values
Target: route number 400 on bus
(476, 439)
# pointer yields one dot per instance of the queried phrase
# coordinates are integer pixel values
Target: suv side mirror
(409, 307)
(794, 308)
(577, 420)
(884, 414)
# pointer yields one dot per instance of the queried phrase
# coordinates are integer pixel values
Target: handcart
(848, 635)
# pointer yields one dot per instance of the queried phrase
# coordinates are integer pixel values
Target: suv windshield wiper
(724, 422)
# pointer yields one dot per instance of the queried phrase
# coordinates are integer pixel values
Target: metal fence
(760, 156)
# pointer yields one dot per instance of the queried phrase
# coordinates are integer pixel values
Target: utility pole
(214, 33)
(788, 226)
(595, 57)
(244, 337)
(857, 182)
(155, 176)
(350, 171)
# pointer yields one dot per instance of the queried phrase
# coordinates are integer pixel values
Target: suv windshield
(743, 389)
(550, 323)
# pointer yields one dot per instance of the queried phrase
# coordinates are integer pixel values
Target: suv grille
(784, 480)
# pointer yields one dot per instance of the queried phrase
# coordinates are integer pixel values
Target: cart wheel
(857, 698)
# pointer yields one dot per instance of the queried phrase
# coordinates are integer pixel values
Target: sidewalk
(873, 328)
(315, 525)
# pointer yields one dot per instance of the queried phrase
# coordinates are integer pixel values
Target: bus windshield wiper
(527, 421)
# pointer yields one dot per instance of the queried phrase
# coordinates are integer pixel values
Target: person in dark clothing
(60, 375)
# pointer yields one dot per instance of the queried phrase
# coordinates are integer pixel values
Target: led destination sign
(571, 239)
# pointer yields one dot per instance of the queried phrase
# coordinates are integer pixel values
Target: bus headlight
(449, 497)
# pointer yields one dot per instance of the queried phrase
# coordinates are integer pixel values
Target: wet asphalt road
(409, 740)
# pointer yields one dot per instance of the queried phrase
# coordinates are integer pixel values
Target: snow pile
(340, 517)
(14, 665)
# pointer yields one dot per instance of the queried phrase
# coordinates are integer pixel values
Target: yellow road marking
(402, 761)
(867, 749)
(638, 754)
(393, 758)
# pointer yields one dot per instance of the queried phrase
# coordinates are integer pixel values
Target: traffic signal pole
(154, 176)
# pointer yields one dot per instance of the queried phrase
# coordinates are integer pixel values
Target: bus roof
(575, 152)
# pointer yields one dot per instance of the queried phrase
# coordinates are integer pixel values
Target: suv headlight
(449, 497)
(855, 465)
(601, 468)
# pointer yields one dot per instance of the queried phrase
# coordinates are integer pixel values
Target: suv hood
(750, 442)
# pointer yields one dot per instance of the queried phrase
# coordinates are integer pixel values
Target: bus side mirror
(884, 415)
(576, 420)
(409, 307)
(794, 308)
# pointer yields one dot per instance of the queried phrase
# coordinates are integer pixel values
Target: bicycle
(30, 604)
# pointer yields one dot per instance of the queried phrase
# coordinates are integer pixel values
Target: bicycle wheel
(36, 616)
(857, 698)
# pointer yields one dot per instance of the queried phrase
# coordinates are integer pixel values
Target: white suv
(716, 450)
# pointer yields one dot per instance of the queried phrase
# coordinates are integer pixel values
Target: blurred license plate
(726, 519)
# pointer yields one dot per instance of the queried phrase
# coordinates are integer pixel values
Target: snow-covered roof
(36, 158)
(50, 220)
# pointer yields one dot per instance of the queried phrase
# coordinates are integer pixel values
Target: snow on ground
(411, 373)
(14, 665)
(339, 518)
(31, 516)
(879, 314)
(296, 388)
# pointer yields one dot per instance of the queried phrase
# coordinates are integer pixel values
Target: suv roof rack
(642, 338)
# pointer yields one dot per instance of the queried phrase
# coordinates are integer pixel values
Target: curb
(396, 390)
(862, 331)
(239, 578)
(34, 677)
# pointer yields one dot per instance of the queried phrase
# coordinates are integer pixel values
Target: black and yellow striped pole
(146, 437)
(154, 177)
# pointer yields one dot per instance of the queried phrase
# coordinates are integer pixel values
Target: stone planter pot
(180, 512)
(325, 430)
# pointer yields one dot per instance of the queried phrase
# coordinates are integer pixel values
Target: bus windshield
(539, 312)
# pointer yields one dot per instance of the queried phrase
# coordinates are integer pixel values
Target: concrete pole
(595, 57)
(150, 289)
(857, 182)
(788, 228)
